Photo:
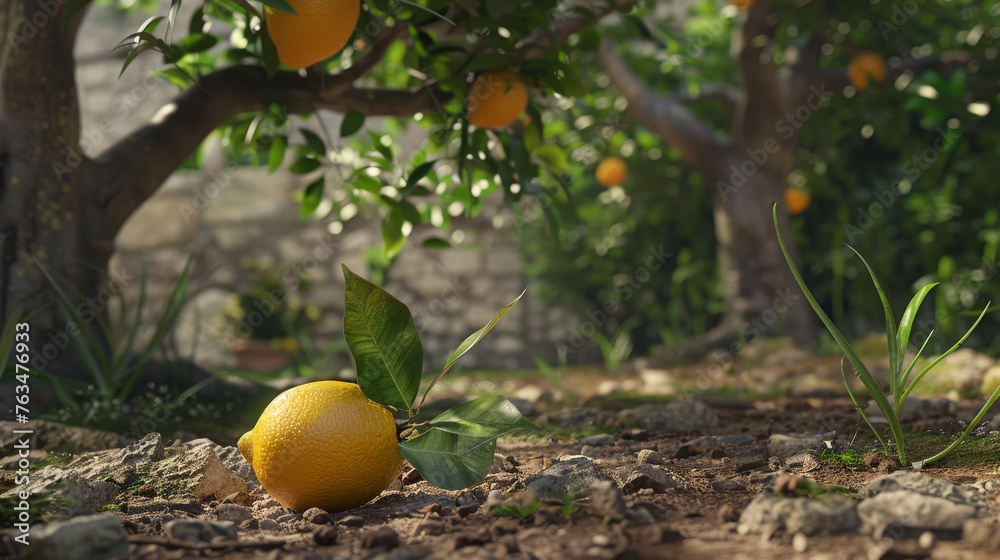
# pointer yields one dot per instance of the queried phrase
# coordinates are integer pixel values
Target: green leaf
(471, 341)
(490, 416)
(903, 336)
(417, 174)
(448, 460)
(353, 121)
(553, 156)
(314, 142)
(895, 359)
(304, 165)
(281, 5)
(276, 153)
(436, 243)
(312, 195)
(383, 341)
(861, 371)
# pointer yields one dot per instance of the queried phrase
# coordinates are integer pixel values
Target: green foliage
(850, 458)
(455, 449)
(898, 339)
(267, 304)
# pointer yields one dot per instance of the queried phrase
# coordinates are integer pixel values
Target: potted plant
(269, 321)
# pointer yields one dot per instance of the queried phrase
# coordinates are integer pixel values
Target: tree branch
(763, 103)
(669, 118)
(712, 91)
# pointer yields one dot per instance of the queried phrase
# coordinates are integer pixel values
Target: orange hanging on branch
(496, 99)
(797, 200)
(865, 68)
(316, 31)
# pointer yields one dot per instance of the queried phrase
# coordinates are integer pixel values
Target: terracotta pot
(259, 355)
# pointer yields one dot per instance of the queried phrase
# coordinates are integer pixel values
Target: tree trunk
(43, 210)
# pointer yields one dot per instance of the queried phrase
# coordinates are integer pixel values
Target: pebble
(199, 530)
(83, 538)
(601, 540)
(638, 515)
(606, 499)
(927, 540)
(648, 476)
(800, 543)
(650, 457)
(351, 521)
(241, 498)
(598, 440)
(233, 512)
(285, 518)
(325, 535)
(270, 525)
(380, 537)
(249, 525)
(429, 527)
(316, 515)
(587, 451)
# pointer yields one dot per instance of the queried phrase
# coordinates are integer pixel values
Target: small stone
(413, 476)
(270, 525)
(573, 474)
(351, 521)
(587, 451)
(511, 545)
(249, 525)
(199, 530)
(316, 515)
(800, 543)
(465, 511)
(325, 535)
(638, 515)
(232, 512)
(241, 498)
(601, 540)
(722, 485)
(606, 499)
(648, 476)
(83, 538)
(468, 498)
(473, 539)
(380, 537)
(429, 527)
(285, 518)
(598, 440)
(927, 540)
(650, 457)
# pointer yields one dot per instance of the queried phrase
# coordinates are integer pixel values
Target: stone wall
(230, 219)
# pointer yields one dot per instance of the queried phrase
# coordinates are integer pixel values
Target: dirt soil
(695, 519)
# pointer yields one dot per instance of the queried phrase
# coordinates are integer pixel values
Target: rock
(824, 515)
(380, 537)
(638, 515)
(241, 498)
(351, 521)
(912, 512)
(197, 472)
(199, 530)
(963, 370)
(991, 380)
(782, 446)
(800, 543)
(417, 501)
(982, 533)
(250, 524)
(270, 525)
(569, 475)
(915, 408)
(95, 537)
(588, 451)
(316, 515)
(598, 440)
(722, 485)
(473, 497)
(677, 416)
(233, 512)
(527, 408)
(606, 499)
(571, 418)
(923, 484)
(653, 477)
(650, 457)
(10, 463)
(428, 527)
(325, 535)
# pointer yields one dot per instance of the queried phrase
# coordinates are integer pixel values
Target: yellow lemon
(316, 31)
(866, 66)
(611, 171)
(323, 444)
(496, 98)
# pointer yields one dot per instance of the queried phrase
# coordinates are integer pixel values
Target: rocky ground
(610, 475)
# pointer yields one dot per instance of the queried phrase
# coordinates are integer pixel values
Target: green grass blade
(862, 372)
(903, 337)
(901, 397)
(943, 356)
(968, 430)
(861, 409)
(85, 343)
(895, 365)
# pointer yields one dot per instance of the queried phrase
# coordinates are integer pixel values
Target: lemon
(496, 99)
(323, 444)
(316, 31)
(611, 171)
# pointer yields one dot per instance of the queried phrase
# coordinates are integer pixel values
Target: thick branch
(763, 104)
(669, 118)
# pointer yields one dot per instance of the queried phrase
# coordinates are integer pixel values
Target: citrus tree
(865, 121)
(243, 67)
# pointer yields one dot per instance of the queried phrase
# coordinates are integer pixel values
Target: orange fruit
(496, 99)
(317, 30)
(323, 444)
(797, 200)
(743, 4)
(866, 66)
(611, 171)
